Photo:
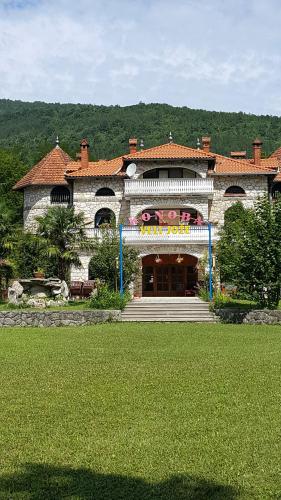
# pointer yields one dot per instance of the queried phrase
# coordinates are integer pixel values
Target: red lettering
(172, 214)
(160, 215)
(133, 221)
(198, 221)
(146, 217)
(185, 217)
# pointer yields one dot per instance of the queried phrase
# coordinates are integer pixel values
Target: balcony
(163, 235)
(168, 187)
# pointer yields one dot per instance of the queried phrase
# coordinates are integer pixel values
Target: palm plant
(5, 228)
(65, 234)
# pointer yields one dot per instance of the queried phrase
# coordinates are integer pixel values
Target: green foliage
(11, 169)
(28, 252)
(105, 262)
(65, 235)
(250, 251)
(30, 129)
(108, 299)
(220, 300)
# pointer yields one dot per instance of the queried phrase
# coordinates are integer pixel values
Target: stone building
(164, 196)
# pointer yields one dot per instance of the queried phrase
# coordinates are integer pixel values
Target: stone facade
(84, 198)
(36, 201)
(255, 186)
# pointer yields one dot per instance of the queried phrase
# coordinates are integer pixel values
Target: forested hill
(29, 129)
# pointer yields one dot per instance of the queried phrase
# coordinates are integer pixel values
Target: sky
(222, 55)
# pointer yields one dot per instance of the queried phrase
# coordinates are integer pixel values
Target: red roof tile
(49, 171)
(170, 151)
(96, 168)
(225, 165)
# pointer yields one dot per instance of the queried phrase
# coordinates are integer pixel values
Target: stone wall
(36, 201)
(254, 187)
(56, 318)
(85, 200)
(254, 317)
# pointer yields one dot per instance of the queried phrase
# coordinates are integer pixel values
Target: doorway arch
(169, 275)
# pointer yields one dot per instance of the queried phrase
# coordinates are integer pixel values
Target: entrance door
(162, 281)
(168, 278)
(178, 280)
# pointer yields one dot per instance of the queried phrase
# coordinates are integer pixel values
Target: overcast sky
(210, 54)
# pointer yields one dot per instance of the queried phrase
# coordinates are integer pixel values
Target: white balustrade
(162, 187)
(143, 235)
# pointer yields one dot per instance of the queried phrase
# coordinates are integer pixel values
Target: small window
(234, 191)
(60, 194)
(276, 190)
(105, 192)
(104, 216)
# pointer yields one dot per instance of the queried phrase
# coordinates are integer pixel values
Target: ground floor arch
(169, 275)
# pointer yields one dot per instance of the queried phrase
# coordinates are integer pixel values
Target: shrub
(108, 299)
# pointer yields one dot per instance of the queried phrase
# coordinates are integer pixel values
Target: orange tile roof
(165, 151)
(170, 151)
(225, 165)
(56, 167)
(49, 171)
(96, 168)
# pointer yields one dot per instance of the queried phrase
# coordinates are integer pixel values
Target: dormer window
(60, 194)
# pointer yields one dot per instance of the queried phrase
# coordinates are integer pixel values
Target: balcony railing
(167, 187)
(143, 235)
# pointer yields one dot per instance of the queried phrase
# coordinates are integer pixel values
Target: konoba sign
(164, 217)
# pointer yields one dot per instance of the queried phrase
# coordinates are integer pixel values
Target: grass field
(141, 412)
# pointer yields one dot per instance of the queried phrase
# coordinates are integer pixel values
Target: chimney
(206, 144)
(257, 144)
(133, 145)
(84, 154)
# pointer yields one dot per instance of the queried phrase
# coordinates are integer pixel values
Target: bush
(220, 300)
(108, 299)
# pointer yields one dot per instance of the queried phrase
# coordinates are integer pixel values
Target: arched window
(60, 194)
(105, 192)
(234, 191)
(169, 173)
(171, 217)
(104, 216)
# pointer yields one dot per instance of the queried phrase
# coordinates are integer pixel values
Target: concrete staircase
(190, 309)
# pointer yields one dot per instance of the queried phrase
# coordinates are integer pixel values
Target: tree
(250, 251)
(65, 235)
(105, 262)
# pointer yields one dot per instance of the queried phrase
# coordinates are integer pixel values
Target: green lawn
(141, 412)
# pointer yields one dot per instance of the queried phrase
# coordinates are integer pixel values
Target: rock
(64, 290)
(37, 303)
(18, 288)
(41, 295)
(14, 293)
(12, 297)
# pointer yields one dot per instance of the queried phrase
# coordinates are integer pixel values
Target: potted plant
(40, 273)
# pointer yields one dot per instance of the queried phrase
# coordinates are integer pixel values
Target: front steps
(188, 309)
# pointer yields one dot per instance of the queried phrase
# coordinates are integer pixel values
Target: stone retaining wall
(57, 318)
(254, 317)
